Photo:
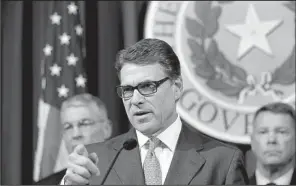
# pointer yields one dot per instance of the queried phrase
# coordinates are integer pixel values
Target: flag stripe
(62, 158)
(43, 110)
(52, 139)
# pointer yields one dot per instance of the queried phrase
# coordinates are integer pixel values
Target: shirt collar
(283, 180)
(169, 136)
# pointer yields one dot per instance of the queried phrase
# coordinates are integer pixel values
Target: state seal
(235, 57)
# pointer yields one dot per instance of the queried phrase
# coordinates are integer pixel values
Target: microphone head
(130, 144)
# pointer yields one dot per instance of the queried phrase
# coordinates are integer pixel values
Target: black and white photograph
(147, 93)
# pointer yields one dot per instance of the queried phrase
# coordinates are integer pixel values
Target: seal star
(253, 32)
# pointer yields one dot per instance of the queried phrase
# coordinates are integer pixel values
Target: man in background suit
(84, 119)
(273, 144)
(167, 151)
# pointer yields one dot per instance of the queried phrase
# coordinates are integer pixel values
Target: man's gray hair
(277, 108)
(83, 99)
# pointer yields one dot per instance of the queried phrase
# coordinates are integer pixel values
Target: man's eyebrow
(85, 119)
(125, 85)
(145, 81)
(282, 127)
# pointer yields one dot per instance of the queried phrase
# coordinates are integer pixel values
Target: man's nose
(272, 138)
(77, 133)
(137, 98)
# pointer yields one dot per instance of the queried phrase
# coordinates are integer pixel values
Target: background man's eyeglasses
(145, 88)
(81, 123)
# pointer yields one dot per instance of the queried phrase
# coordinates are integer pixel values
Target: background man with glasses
(168, 151)
(84, 120)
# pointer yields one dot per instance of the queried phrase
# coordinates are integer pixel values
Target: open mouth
(141, 113)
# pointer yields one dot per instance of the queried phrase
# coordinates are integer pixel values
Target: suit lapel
(186, 161)
(128, 165)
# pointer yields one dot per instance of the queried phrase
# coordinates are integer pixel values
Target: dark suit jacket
(250, 161)
(293, 180)
(198, 160)
(54, 179)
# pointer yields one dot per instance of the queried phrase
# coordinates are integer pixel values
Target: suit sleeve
(237, 174)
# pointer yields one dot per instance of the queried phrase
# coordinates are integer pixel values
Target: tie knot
(153, 143)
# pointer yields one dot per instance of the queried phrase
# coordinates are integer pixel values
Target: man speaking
(160, 148)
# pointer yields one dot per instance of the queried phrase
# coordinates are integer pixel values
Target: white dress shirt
(165, 151)
(283, 180)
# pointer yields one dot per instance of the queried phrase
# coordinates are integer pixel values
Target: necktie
(152, 169)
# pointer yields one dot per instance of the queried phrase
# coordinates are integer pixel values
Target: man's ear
(108, 129)
(178, 88)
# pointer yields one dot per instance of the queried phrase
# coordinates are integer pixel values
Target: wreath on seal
(222, 75)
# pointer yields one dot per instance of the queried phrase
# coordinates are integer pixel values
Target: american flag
(62, 76)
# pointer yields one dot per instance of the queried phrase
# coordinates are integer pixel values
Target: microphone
(127, 145)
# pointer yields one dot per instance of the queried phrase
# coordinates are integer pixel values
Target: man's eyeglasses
(145, 88)
(81, 123)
